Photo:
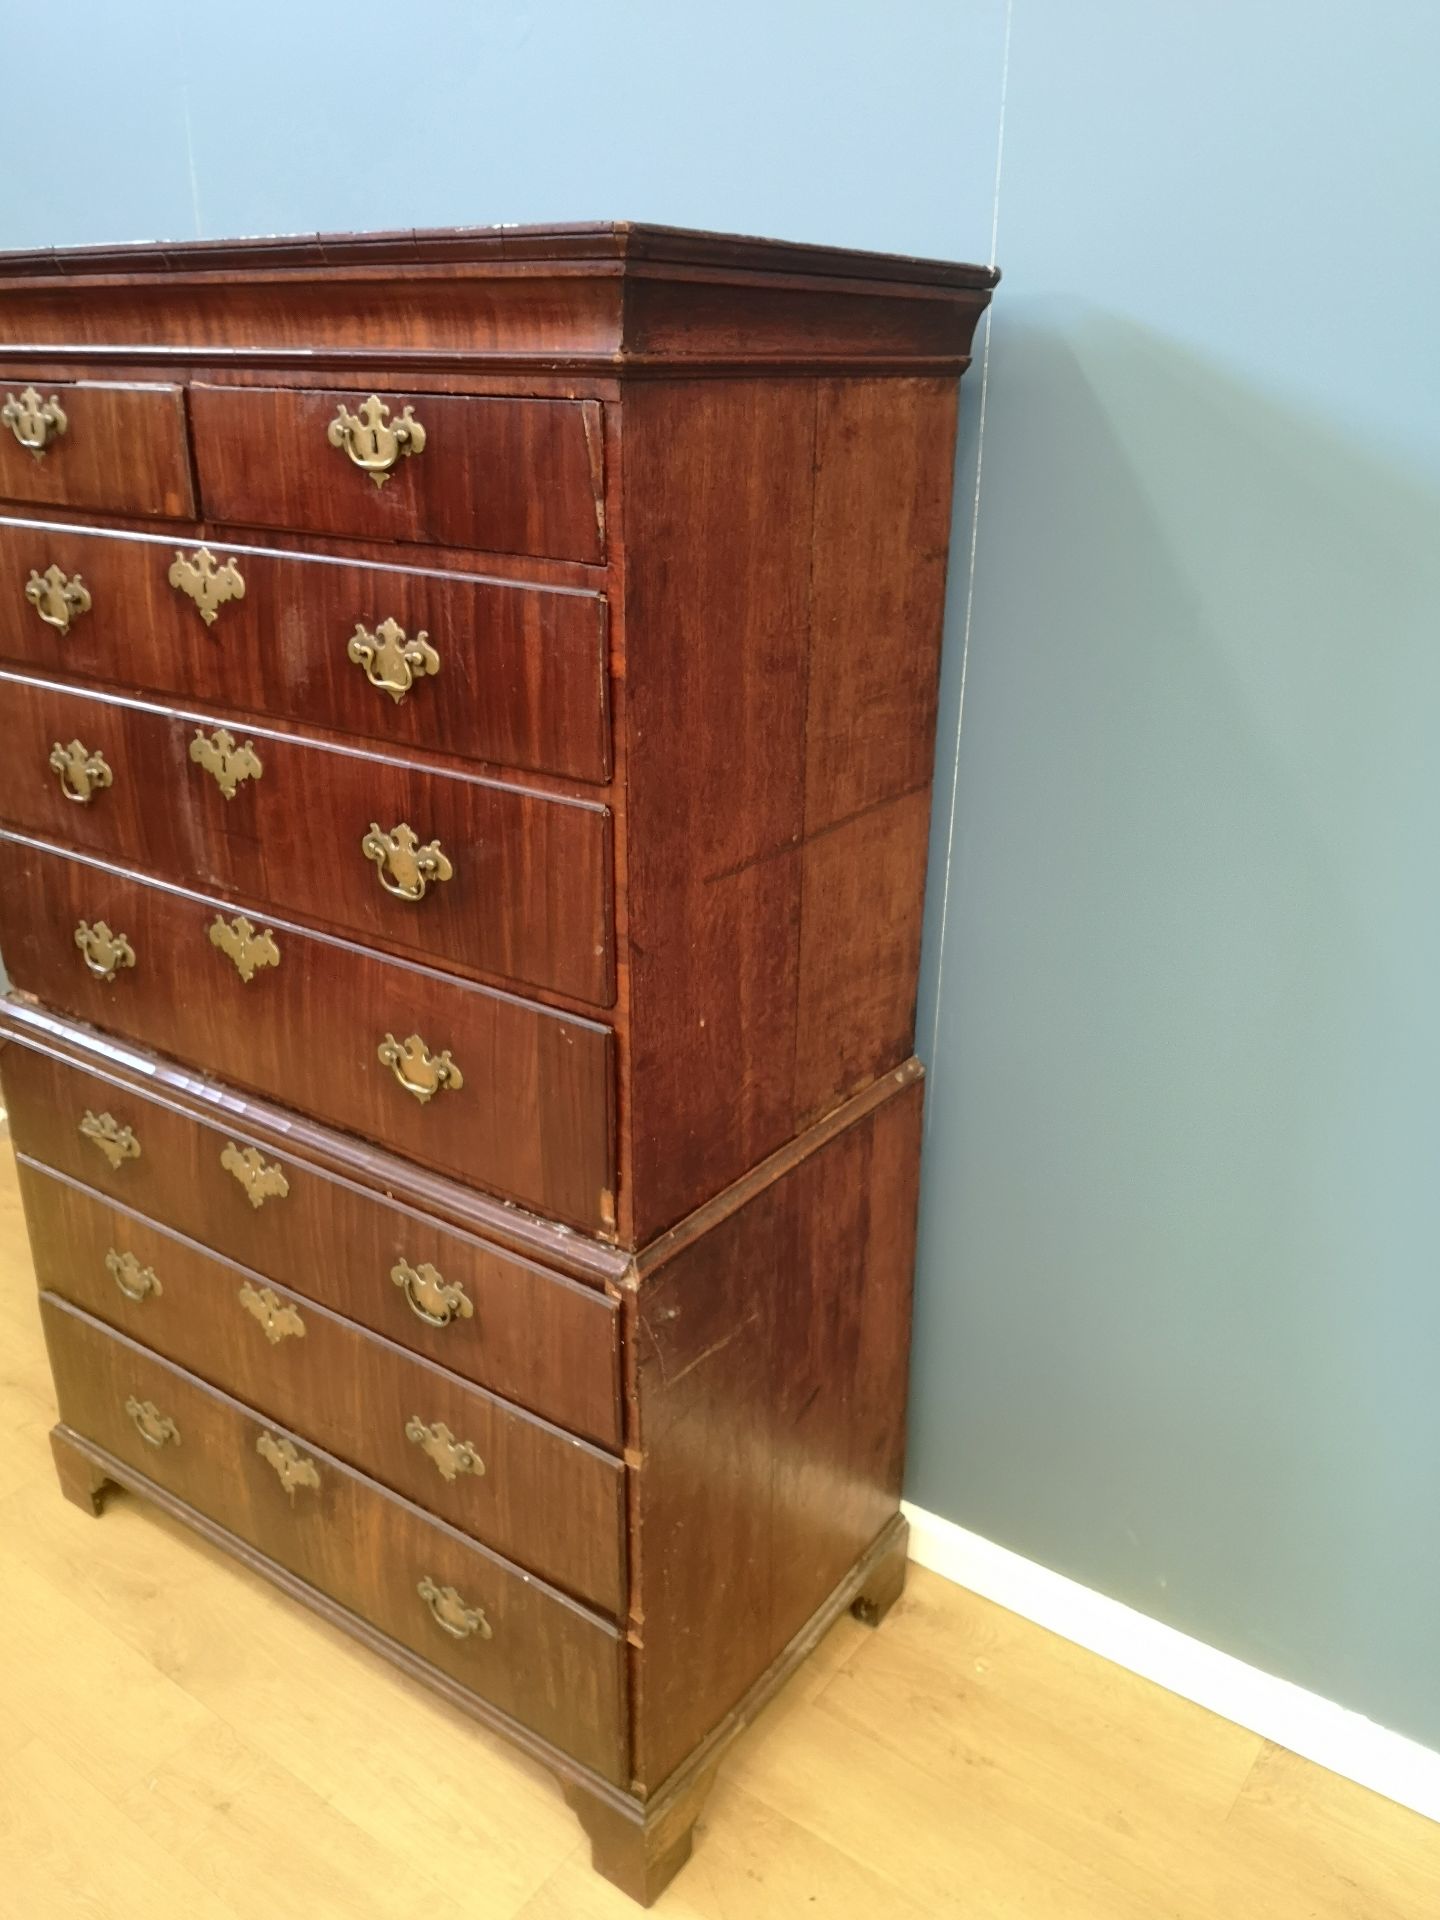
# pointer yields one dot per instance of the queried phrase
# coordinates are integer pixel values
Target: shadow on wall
(1181, 1202)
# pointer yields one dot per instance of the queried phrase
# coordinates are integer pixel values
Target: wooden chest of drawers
(468, 705)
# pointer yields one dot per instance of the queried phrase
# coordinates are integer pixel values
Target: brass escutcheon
(293, 1468)
(392, 662)
(133, 1280)
(81, 774)
(105, 952)
(261, 1182)
(57, 598)
(450, 1612)
(276, 1316)
(153, 1427)
(417, 1069)
(249, 948)
(227, 764)
(432, 1297)
(410, 866)
(33, 421)
(117, 1143)
(452, 1457)
(371, 441)
(202, 579)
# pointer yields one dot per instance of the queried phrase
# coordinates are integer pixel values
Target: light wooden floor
(177, 1742)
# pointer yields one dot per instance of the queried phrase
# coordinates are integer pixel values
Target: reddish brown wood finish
(528, 900)
(532, 1119)
(531, 1335)
(543, 1499)
(522, 476)
(123, 449)
(522, 681)
(770, 1348)
(549, 1662)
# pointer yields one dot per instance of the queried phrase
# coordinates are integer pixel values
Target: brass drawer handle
(451, 1457)
(293, 1468)
(81, 774)
(410, 867)
(417, 1069)
(133, 1280)
(249, 947)
(104, 952)
(154, 1428)
(57, 599)
(450, 1613)
(433, 1299)
(392, 662)
(278, 1318)
(261, 1182)
(34, 422)
(371, 441)
(117, 1143)
(227, 764)
(204, 580)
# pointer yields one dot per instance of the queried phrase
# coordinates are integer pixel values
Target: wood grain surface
(124, 449)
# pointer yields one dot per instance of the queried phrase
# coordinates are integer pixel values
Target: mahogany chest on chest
(468, 723)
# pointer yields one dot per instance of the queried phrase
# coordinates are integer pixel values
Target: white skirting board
(1332, 1736)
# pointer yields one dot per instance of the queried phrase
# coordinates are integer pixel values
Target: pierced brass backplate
(372, 441)
(35, 423)
(293, 1468)
(153, 1427)
(227, 764)
(117, 1143)
(81, 774)
(205, 581)
(450, 1612)
(57, 598)
(432, 1297)
(276, 1316)
(248, 947)
(105, 952)
(261, 1182)
(409, 866)
(452, 1457)
(133, 1280)
(417, 1069)
(392, 662)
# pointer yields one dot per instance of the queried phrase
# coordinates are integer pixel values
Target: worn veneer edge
(643, 1811)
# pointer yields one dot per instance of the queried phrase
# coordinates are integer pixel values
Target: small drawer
(538, 1338)
(538, 1656)
(440, 662)
(491, 1089)
(532, 1492)
(484, 876)
(509, 476)
(82, 443)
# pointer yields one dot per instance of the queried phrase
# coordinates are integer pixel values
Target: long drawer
(495, 1090)
(553, 1503)
(436, 662)
(95, 443)
(485, 876)
(510, 475)
(538, 1656)
(534, 1336)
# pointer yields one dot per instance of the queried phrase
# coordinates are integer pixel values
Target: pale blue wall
(1179, 1313)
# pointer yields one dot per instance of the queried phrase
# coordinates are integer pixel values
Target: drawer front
(533, 1493)
(120, 448)
(537, 1656)
(441, 662)
(510, 476)
(547, 1342)
(519, 1097)
(445, 866)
